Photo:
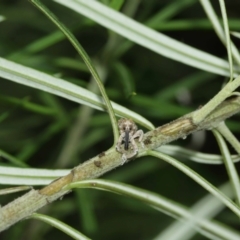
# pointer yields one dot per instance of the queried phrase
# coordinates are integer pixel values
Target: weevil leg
(124, 158)
(139, 134)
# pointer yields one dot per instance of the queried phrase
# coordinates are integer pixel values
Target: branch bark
(29, 203)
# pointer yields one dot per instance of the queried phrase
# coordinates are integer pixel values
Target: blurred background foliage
(38, 128)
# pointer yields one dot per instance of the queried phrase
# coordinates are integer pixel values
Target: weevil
(128, 132)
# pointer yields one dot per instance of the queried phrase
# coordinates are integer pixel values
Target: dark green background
(34, 124)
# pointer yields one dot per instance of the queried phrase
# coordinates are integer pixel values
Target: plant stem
(25, 205)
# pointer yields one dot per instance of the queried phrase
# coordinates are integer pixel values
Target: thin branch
(24, 206)
(226, 92)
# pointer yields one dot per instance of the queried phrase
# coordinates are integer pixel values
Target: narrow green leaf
(236, 34)
(218, 28)
(227, 37)
(229, 136)
(211, 105)
(191, 81)
(27, 104)
(190, 155)
(14, 190)
(160, 203)
(231, 170)
(12, 159)
(116, 4)
(61, 226)
(3, 116)
(147, 37)
(169, 11)
(2, 18)
(126, 79)
(39, 80)
(29, 176)
(87, 61)
(88, 217)
(207, 208)
(200, 180)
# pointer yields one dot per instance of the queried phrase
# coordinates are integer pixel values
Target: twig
(24, 206)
